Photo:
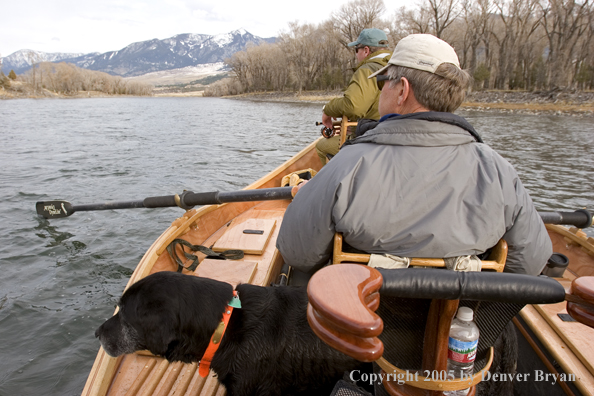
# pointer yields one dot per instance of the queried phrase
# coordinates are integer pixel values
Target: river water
(61, 279)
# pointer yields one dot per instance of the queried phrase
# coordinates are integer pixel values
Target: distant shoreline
(568, 103)
(578, 103)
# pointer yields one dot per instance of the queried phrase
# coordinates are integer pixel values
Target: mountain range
(148, 56)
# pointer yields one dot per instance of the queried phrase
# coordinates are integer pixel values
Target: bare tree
(34, 58)
(301, 48)
(442, 14)
(355, 16)
(564, 22)
(478, 23)
(513, 32)
(584, 65)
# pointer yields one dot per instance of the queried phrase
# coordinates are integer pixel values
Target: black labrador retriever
(267, 349)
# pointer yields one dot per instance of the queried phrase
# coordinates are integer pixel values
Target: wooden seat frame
(435, 346)
(341, 125)
(497, 257)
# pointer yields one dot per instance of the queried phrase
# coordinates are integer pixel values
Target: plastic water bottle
(462, 345)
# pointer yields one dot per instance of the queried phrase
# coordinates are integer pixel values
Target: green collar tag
(235, 302)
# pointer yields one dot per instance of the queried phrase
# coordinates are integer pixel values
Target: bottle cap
(465, 314)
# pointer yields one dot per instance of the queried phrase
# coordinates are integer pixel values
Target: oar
(187, 200)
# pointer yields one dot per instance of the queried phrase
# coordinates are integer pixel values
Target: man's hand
(296, 189)
(327, 120)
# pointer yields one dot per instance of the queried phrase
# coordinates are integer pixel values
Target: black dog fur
(268, 348)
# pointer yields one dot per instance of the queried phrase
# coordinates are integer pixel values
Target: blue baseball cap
(371, 38)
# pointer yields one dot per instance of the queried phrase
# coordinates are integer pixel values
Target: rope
(171, 249)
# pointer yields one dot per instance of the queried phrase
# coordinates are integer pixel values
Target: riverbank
(22, 90)
(576, 103)
(556, 102)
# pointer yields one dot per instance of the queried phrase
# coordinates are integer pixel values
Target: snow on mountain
(180, 51)
(21, 60)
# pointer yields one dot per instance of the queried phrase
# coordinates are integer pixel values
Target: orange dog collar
(217, 336)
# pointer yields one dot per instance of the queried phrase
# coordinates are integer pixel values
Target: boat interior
(352, 306)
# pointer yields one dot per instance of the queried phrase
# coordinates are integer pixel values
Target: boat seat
(495, 262)
(428, 299)
(345, 311)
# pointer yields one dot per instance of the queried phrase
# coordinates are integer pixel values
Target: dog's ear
(174, 314)
(158, 331)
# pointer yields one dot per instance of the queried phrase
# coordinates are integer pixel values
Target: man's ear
(403, 90)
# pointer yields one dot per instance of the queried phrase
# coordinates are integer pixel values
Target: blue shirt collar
(387, 116)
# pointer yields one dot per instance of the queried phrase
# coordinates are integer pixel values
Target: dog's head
(170, 314)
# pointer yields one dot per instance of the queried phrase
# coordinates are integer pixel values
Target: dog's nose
(97, 332)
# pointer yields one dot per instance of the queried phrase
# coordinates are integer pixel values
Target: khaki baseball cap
(422, 52)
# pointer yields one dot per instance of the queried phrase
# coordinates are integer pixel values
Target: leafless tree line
(504, 44)
(68, 79)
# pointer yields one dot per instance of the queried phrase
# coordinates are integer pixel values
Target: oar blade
(54, 209)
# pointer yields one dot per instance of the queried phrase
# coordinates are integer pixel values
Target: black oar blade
(54, 209)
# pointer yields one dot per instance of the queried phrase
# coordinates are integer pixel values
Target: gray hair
(443, 90)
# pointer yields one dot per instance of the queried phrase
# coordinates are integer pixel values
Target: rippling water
(61, 279)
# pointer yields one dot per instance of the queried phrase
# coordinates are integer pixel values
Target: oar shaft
(108, 206)
(189, 199)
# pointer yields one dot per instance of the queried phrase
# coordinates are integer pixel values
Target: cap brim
(380, 71)
(352, 44)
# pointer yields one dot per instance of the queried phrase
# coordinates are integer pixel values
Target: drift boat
(565, 347)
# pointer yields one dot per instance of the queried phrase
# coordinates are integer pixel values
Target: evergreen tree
(12, 75)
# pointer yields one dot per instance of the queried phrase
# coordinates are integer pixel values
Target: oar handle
(581, 218)
(190, 199)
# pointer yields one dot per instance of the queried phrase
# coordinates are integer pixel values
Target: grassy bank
(577, 103)
(23, 90)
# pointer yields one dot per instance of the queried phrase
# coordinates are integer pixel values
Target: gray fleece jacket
(417, 185)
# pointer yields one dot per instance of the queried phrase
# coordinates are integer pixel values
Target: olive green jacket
(361, 97)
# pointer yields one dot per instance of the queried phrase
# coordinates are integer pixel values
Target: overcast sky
(84, 26)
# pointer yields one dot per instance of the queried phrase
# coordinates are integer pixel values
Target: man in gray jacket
(419, 184)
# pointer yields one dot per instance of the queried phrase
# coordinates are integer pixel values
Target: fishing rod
(56, 209)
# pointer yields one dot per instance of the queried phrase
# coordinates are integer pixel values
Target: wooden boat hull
(143, 374)
(568, 344)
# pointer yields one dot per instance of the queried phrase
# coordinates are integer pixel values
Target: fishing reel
(326, 132)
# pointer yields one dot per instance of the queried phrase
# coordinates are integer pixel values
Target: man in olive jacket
(419, 184)
(361, 98)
